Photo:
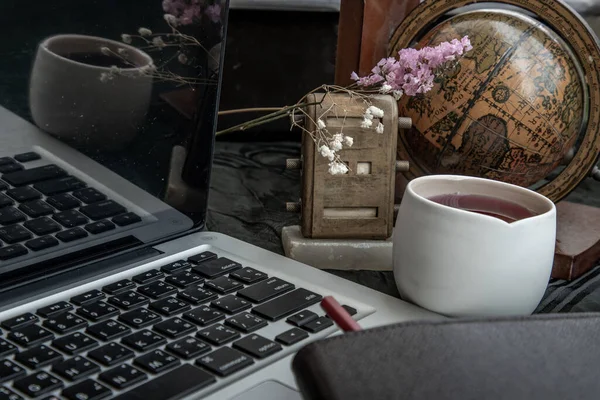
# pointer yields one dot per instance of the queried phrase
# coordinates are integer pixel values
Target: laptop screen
(107, 116)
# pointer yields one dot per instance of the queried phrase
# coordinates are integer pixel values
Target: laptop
(110, 286)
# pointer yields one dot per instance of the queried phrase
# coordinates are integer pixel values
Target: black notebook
(537, 357)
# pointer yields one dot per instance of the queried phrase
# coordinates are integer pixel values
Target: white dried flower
(379, 128)
(348, 141)
(368, 115)
(126, 38)
(145, 32)
(337, 168)
(105, 50)
(320, 124)
(171, 19)
(385, 88)
(122, 51)
(159, 42)
(114, 69)
(105, 77)
(366, 123)
(336, 142)
(182, 58)
(377, 112)
(327, 152)
(397, 94)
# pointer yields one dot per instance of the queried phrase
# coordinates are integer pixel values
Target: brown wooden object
(360, 203)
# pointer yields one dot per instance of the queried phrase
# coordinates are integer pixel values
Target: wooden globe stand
(364, 38)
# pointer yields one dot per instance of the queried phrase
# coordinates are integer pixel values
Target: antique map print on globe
(515, 105)
(511, 108)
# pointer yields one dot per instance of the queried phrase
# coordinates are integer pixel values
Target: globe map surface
(509, 110)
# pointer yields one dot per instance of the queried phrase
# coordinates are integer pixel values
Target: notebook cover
(552, 356)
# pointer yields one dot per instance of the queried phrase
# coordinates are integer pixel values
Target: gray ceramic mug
(95, 105)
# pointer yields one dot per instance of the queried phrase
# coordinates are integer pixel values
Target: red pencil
(339, 315)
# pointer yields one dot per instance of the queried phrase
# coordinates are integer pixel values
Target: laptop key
(128, 300)
(246, 322)
(225, 361)
(33, 175)
(291, 336)
(20, 321)
(64, 323)
(173, 385)
(197, 295)
(36, 208)
(231, 304)
(42, 226)
(23, 194)
(5, 201)
(123, 376)
(148, 276)
(60, 185)
(203, 315)
(175, 267)
(111, 354)
(108, 330)
(100, 227)
(6, 348)
(42, 243)
(9, 371)
(257, 346)
(6, 160)
(54, 309)
(75, 368)
(10, 215)
(287, 304)
(184, 279)
(248, 275)
(118, 287)
(218, 334)
(144, 340)
(170, 306)
(302, 318)
(157, 361)
(266, 290)
(204, 256)
(38, 384)
(14, 234)
(157, 290)
(102, 209)
(98, 311)
(89, 195)
(174, 328)
(27, 157)
(126, 219)
(10, 168)
(223, 285)
(30, 335)
(214, 268)
(75, 343)
(188, 347)
(318, 325)
(71, 235)
(63, 202)
(70, 218)
(38, 357)
(7, 394)
(88, 390)
(139, 318)
(87, 297)
(6, 253)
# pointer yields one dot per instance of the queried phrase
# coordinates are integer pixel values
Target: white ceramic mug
(461, 263)
(70, 100)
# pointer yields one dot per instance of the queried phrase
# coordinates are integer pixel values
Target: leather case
(555, 356)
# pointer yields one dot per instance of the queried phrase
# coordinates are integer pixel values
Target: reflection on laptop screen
(107, 116)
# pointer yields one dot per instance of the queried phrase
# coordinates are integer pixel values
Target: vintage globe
(509, 110)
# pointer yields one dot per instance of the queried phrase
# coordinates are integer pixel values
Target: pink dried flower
(213, 12)
(414, 70)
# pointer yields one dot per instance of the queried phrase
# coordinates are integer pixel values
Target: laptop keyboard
(43, 206)
(164, 333)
